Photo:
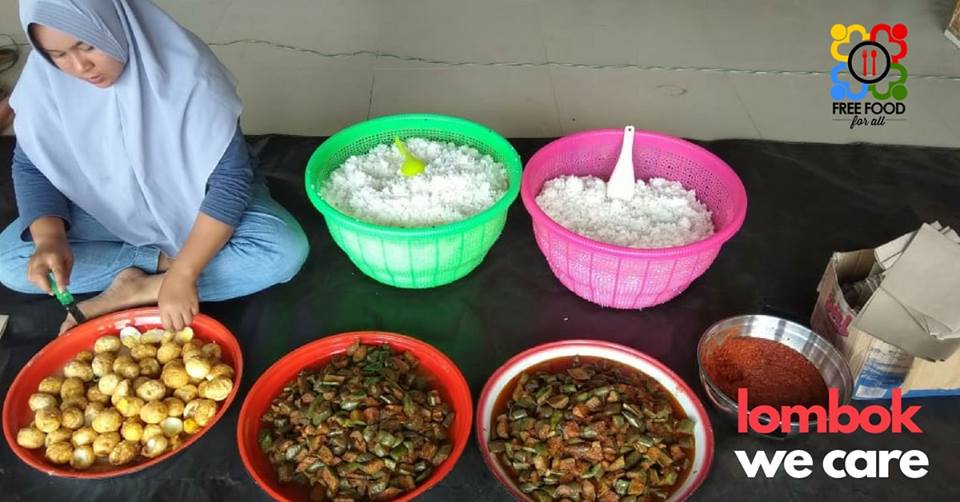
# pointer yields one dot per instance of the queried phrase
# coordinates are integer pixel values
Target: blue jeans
(268, 247)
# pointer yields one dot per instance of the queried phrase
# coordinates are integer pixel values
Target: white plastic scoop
(621, 183)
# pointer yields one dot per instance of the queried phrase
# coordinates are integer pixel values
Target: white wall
(698, 91)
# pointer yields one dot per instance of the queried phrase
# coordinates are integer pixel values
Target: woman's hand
(51, 254)
(178, 300)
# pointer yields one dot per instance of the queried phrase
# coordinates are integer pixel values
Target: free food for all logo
(868, 81)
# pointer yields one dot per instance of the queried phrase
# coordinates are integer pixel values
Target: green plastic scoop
(412, 166)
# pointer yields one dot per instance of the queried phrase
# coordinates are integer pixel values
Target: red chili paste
(773, 373)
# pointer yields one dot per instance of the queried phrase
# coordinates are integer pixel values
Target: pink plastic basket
(629, 278)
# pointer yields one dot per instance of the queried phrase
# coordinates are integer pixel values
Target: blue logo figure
(842, 89)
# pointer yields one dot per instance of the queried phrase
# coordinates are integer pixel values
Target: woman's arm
(228, 188)
(36, 196)
(45, 214)
(228, 193)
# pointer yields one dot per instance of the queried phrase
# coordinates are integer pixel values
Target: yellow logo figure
(841, 35)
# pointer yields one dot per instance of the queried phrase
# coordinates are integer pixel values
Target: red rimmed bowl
(447, 378)
(52, 358)
(681, 392)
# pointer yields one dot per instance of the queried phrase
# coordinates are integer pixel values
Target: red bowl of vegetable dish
(367, 415)
(577, 419)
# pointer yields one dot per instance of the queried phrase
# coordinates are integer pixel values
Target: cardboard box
(953, 26)
(877, 366)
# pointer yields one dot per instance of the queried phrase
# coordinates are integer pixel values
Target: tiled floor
(696, 68)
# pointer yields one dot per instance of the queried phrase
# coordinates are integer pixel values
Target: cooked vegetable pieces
(594, 431)
(365, 426)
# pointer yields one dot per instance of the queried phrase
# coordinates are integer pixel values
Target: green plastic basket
(413, 257)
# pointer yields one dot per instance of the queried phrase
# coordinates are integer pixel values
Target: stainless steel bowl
(833, 367)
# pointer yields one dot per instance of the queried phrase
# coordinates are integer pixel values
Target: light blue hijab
(136, 155)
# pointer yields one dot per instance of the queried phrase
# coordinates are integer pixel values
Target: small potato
(177, 363)
(201, 410)
(212, 351)
(129, 406)
(190, 426)
(85, 357)
(109, 420)
(124, 388)
(190, 408)
(137, 382)
(175, 377)
(71, 418)
(126, 367)
(143, 351)
(40, 400)
(50, 385)
(121, 360)
(153, 412)
(47, 419)
(186, 393)
(217, 389)
(168, 352)
(74, 402)
(171, 426)
(190, 350)
(130, 336)
(132, 430)
(108, 383)
(59, 453)
(220, 369)
(174, 406)
(78, 369)
(151, 390)
(84, 436)
(95, 396)
(197, 367)
(61, 434)
(123, 453)
(151, 430)
(30, 438)
(150, 367)
(82, 458)
(152, 336)
(105, 443)
(184, 335)
(168, 336)
(91, 411)
(175, 442)
(72, 387)
(155, 446)
(109, 343)
(129, 331)
(103, 364)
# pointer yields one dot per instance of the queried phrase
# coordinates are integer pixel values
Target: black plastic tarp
(805, 201)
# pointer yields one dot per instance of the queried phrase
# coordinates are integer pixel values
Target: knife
(66, 299)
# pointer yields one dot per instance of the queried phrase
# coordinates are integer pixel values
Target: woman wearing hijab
(131, 173)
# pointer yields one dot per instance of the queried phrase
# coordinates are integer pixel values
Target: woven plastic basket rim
(512, 164)
(716, 240)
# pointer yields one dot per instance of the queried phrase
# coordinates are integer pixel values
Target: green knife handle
(63, 296)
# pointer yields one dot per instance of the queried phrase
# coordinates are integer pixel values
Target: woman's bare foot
(132, 287)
